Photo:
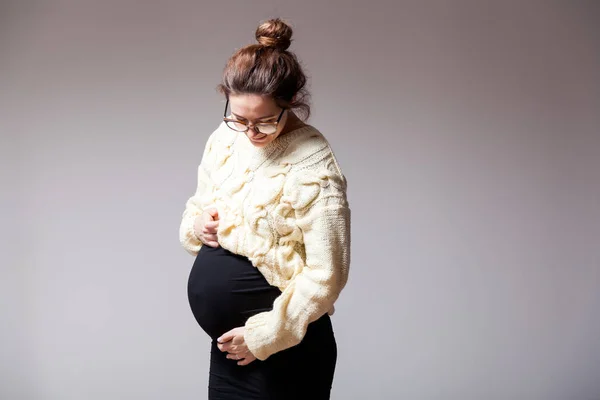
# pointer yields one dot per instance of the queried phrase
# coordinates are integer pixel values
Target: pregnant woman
(269, 225)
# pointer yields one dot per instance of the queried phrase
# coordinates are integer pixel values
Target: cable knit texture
(284, 207)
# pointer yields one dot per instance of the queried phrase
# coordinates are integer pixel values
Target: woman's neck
(292, 123)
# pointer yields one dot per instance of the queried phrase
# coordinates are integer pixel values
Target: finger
(246, 360)
(213, 213)
(225, 347)
(209, 232)
(211, 238)
(211, 226)
(226, 337)
(237, 340)
(233, 349)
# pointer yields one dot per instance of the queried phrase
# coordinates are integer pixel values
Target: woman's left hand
(233, 343)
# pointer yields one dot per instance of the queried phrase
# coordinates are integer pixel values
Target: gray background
(469, 134)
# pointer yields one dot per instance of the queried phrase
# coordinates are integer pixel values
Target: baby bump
(225, 289)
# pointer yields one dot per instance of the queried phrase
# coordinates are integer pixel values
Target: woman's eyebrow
(267, 117)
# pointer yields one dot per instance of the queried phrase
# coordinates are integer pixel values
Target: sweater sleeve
(199, 201)
(323, 216)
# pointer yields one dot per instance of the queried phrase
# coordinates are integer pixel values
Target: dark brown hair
(268, 69)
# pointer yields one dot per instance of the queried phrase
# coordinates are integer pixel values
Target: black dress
(224, 290)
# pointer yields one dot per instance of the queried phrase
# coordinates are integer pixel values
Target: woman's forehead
(252, 106)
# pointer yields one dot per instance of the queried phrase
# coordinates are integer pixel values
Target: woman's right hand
(205, 227)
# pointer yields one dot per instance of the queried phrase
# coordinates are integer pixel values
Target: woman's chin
(262, 142)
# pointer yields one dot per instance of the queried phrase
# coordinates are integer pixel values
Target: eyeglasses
(267, 128)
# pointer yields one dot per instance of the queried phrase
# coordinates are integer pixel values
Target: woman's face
(254, 108)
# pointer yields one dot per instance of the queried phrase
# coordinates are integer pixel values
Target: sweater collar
(260, 155)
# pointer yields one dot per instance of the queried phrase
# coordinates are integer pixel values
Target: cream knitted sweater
(283, 207)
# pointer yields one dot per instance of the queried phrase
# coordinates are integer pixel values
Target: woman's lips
(258, 139)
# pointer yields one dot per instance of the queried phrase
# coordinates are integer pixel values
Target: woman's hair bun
(274, 33)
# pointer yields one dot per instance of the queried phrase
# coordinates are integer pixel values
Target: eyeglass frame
(225, 119)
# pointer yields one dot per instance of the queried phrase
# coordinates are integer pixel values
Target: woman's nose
(251, 129)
